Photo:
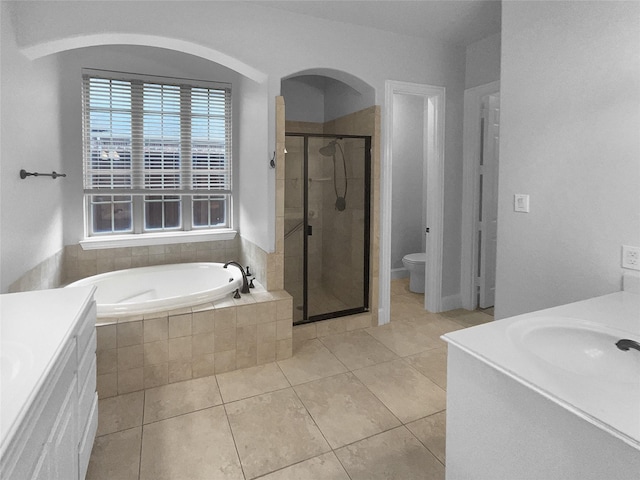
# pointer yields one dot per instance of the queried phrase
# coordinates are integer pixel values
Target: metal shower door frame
(367, 228)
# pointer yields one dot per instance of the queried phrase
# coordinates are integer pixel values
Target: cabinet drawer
(87, 325)
(63, 439)
(85, 397)
(87, 437)
(86, 360)
(22, 456)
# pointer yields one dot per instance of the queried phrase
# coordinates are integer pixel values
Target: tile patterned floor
(368, 404)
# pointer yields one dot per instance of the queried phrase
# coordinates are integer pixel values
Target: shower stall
(327, 219)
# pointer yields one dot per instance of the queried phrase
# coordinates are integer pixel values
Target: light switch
(521, 203)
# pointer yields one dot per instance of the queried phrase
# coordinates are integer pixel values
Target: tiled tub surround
(73, 262)
(266, 267)
(147, 351)
(49, 273)
(80, 263)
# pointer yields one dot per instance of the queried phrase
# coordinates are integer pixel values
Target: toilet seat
(415, 258)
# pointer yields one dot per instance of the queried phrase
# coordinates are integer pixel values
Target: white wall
(30, 209)
(304, 98)
(407, 216)
(342, 100)
(265, 45)
(452, 242)
(256, 178)
(483, 62)
(570, 91)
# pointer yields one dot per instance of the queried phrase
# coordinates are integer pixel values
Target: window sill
(165, 238)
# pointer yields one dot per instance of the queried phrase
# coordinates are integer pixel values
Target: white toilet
(414, 262)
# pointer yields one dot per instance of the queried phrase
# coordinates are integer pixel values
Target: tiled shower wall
(343, 246)
(367, 122)
(294, 216)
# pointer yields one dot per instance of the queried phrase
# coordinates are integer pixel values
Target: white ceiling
(461, 22)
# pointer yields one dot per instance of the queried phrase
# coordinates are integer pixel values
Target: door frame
(471, 143)
(433, 154)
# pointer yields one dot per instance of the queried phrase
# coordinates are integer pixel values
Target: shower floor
(320, 301)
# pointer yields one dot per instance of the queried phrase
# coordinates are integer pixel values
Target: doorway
(480, 195)
(433, 107)
(327, 225)
(408, 215)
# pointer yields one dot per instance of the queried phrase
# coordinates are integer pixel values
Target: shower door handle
(309, 230)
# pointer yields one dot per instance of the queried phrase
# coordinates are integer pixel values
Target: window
(157, 154)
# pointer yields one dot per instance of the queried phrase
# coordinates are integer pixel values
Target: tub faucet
(625, 344)
(245, 282)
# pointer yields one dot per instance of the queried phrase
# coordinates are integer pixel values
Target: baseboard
(452, 302)
(397, 273)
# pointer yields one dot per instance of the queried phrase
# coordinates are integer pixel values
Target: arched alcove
(330, 211)
(177, 59)
(322, 95)
(70, 43)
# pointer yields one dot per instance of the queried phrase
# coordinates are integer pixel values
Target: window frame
(188, 193)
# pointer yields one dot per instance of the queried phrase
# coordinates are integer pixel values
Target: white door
(488, 214)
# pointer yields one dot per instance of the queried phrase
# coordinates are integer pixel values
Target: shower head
(329, 149)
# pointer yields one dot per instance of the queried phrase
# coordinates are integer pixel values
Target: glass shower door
(326, 234)
(337, 226)
(294, 223)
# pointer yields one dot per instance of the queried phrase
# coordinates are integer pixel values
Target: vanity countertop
(34, 329)
(609, 398)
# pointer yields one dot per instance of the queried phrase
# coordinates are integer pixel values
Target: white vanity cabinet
(547, 395)
(49, 402)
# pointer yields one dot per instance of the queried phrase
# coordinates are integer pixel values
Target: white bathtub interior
(161, 287)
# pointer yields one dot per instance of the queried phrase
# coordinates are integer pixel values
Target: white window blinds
(147, 135)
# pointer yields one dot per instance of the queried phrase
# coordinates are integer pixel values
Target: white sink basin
(578, 347)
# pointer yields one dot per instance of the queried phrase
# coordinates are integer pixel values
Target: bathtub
(161, 288)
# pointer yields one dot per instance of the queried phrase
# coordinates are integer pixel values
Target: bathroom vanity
(49, 409)
(547, 394)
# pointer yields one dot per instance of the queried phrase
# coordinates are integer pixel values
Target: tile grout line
(404, 359)
(425, 446)
(235, 444)
(313, 420)
(144, 403)
(371, 336)
(421, 443)
(377, 398)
